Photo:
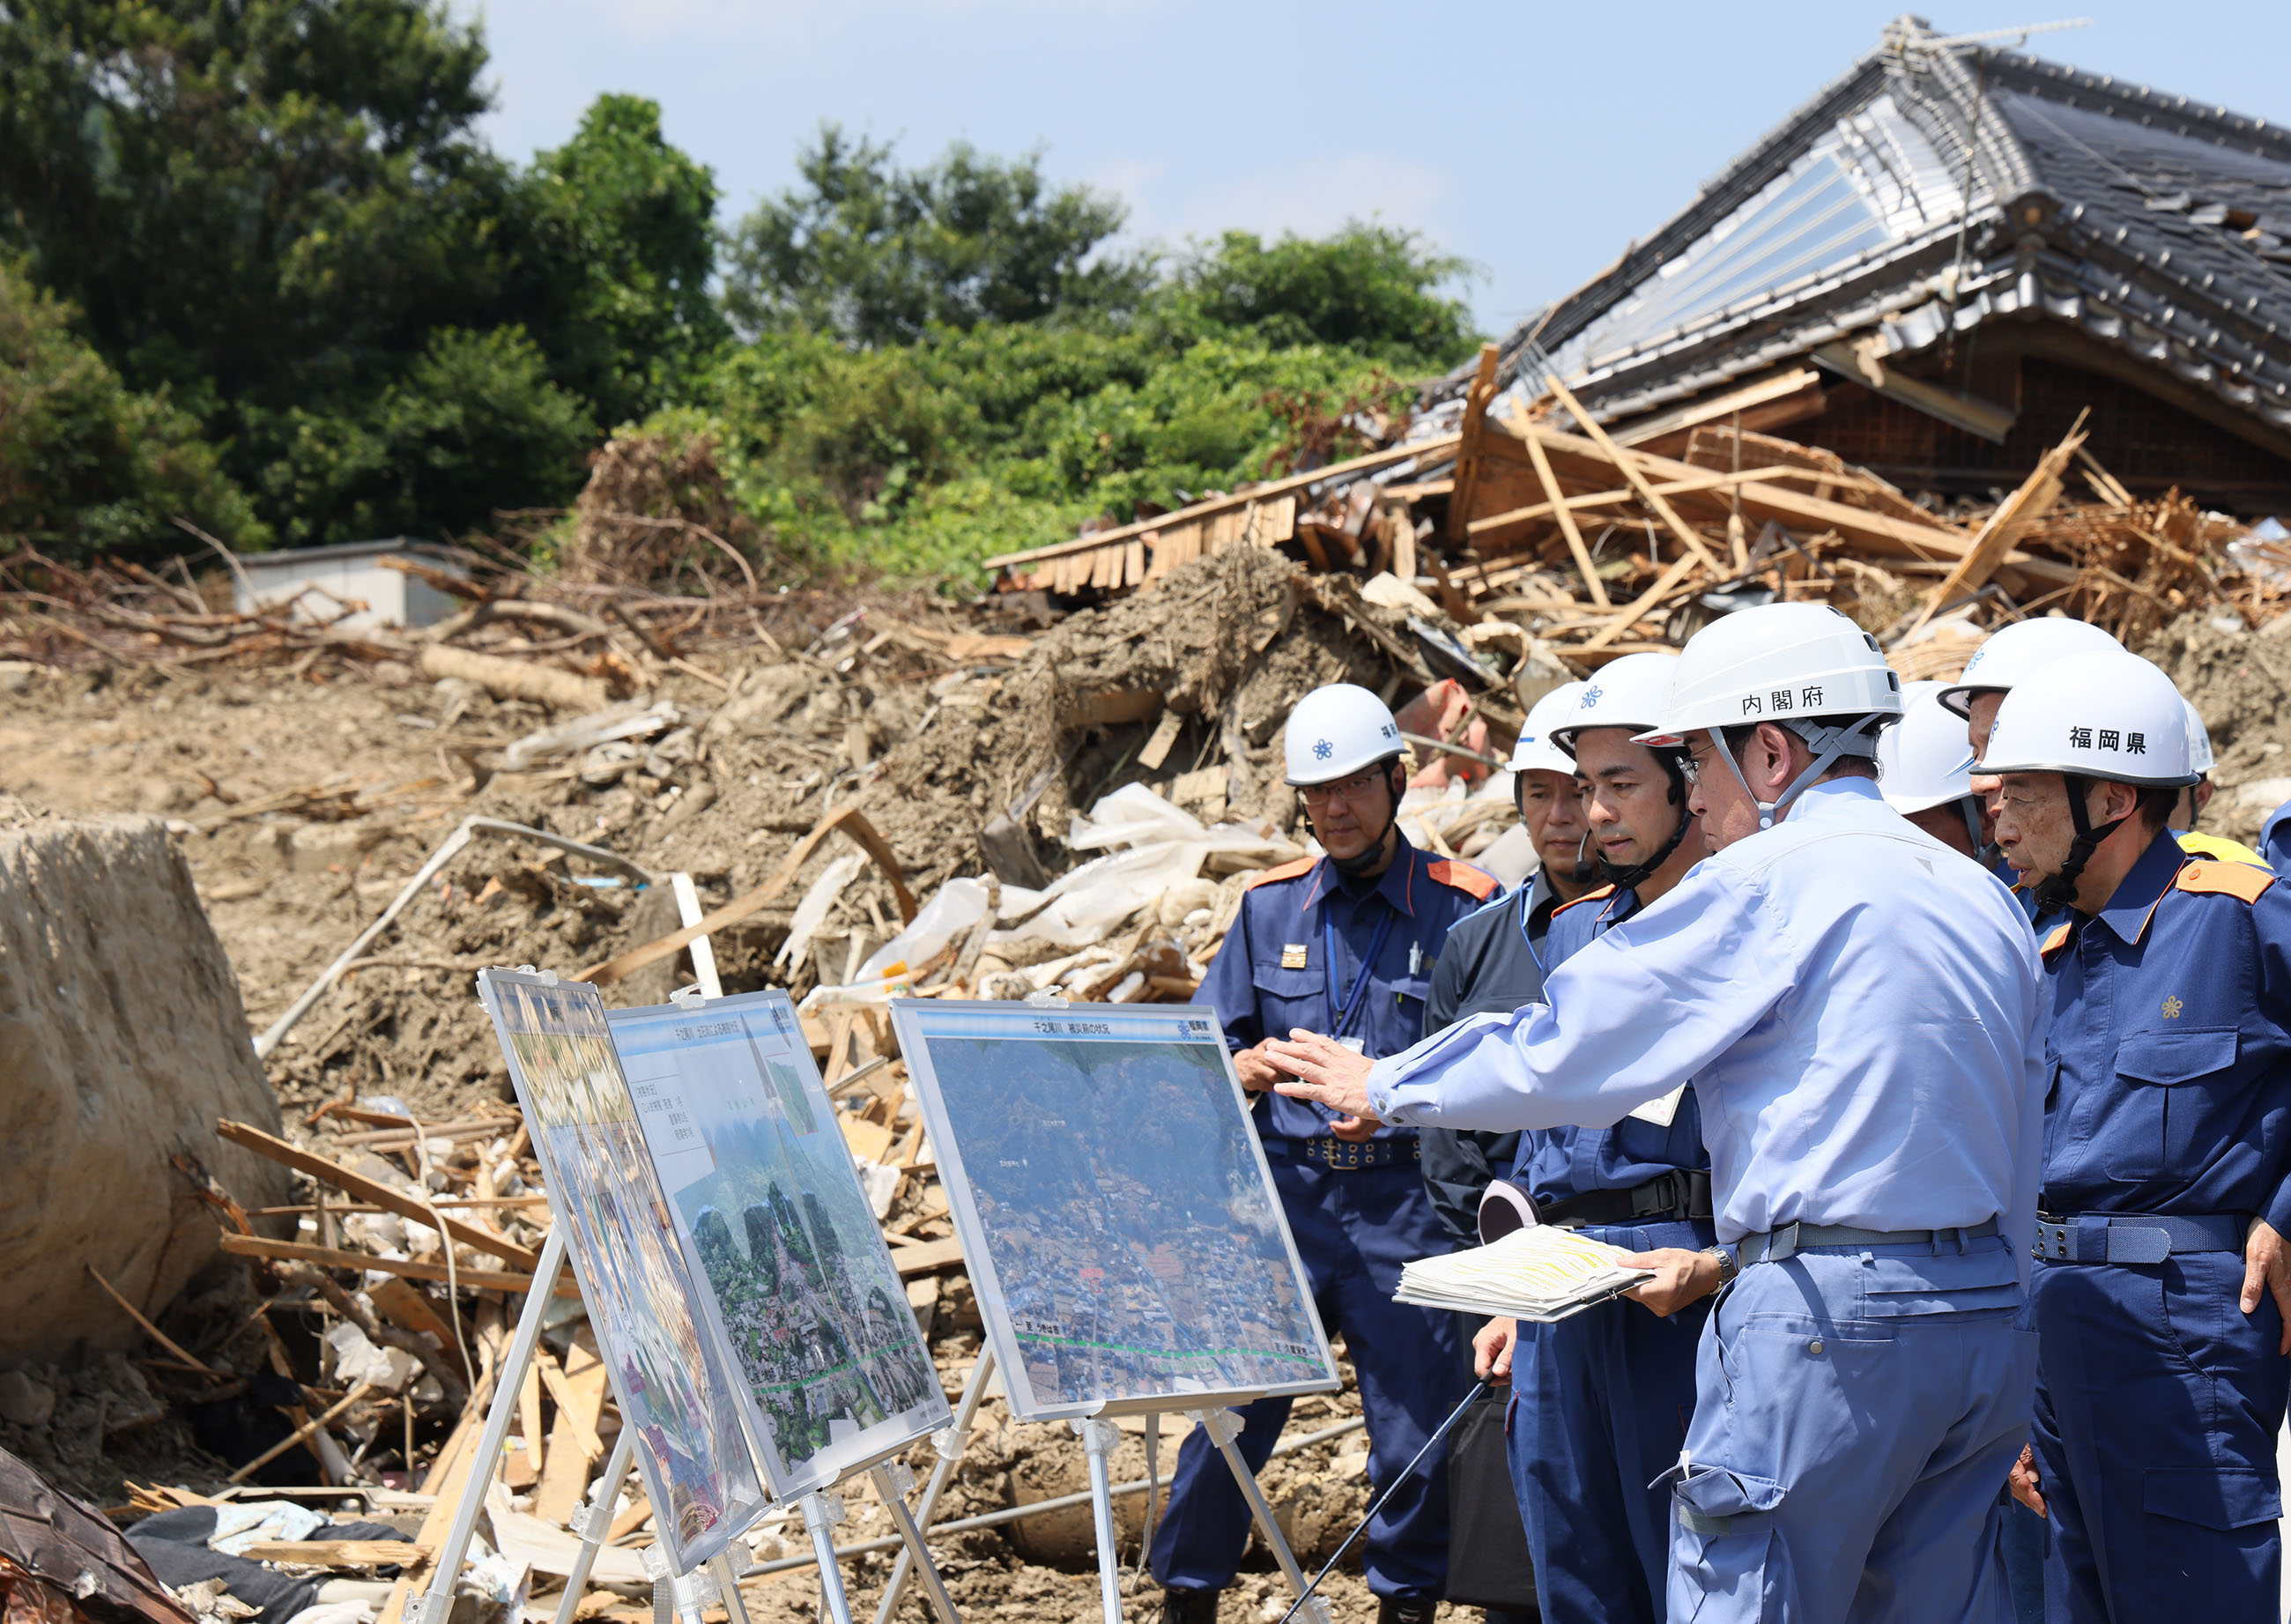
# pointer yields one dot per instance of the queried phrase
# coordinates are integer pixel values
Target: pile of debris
(1598, 547)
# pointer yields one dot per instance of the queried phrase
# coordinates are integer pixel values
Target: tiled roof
(2155, 224)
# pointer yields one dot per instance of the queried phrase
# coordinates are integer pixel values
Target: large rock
(122, 1039)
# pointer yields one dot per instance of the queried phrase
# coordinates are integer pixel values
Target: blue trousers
(1855, 1412)
(1599, 1404)
(1354, 1230)
(2157, 1406)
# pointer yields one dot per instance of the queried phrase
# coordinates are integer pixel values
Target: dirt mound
(121, 1041)
(2239, 682)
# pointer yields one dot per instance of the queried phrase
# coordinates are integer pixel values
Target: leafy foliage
(1369, 288)
(311, 305)
(86, 463)
(630, 220)
(876, 254)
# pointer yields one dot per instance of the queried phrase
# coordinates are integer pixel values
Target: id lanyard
(1339, 1020)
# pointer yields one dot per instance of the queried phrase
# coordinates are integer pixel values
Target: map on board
(800, 1285)
(674, 1382)
(1123, 1232)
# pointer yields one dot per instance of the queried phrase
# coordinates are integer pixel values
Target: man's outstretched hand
(1325, 1073)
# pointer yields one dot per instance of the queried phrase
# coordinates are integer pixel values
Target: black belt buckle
(1346, 1157)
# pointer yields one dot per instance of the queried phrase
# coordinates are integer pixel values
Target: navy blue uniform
(1490, 962)
(1295, 958)
(2168, 1130)
(1601, 1400)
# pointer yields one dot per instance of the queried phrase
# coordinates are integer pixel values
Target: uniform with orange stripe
(1353, 957)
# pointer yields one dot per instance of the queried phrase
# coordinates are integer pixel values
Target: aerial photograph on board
(761, 1179)
(631, 1272)
(1136, 1246)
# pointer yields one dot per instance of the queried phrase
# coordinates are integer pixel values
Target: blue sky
(1534, 140)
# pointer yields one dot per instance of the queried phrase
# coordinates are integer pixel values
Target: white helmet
(2104, 715)
(2199, 743)
(2020, 650)
(1790, 663)
(1787, 662)
(1927, 760)
(1536, 752)
(1626, 693)
(1337, 730)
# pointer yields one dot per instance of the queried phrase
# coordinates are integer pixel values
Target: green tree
(88, 465)
(474, 418)
(874, 254)
(1369, 288)
(632, 219)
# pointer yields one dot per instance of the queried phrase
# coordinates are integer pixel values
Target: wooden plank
(328, 1257)
(1576, 548)
(528, 1410)
(1627, 463)
(926, 1258)
(2009, 524)
(846, 817)
(1631, 613)
(1431, 449)
(341, 1553)
(573, 1446)
(388, 1197)
(1468, 445)
(409, 1308)
(1133, 561)
(1881, 533)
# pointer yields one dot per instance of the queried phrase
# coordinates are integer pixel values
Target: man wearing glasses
(1343, 944)
(1861, 1015)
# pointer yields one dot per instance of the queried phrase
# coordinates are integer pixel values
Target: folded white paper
(1539, 1274)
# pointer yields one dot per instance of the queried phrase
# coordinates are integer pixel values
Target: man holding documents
(1601, 1398)
(1860, 1015)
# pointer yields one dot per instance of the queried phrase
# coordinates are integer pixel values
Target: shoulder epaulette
(1600, 895)
(2056, 942)
(1463, 877)
(2237, 879)
(1286, 871)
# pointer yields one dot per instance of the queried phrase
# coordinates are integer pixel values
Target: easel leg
(887, 1486)
(439, 1600)
(950, 1441)
(1223, 1427)
(727, 1582)
(1099, 1440)
(821, 1523)
(1153, 1488)
(596, 1521)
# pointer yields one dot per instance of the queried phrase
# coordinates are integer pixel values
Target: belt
(1792, 1238)
(2138, 1237)
(1683, 1195)
(1343, 1155)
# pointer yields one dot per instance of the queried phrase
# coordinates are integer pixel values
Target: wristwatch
(1727, 1268)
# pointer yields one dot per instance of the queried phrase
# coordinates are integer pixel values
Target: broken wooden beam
(383, 1195)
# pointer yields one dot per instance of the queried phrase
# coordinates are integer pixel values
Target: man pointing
(1860, 1013)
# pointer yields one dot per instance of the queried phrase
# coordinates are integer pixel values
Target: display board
(673, 1380)
(798, 1283)
(1120, 1226)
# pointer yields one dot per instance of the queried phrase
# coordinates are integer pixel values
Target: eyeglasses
(1347, 789)
(1689, 767)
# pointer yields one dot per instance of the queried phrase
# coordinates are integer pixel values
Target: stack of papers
(1535, 1274)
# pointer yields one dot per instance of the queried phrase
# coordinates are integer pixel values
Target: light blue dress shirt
(1859, 1009)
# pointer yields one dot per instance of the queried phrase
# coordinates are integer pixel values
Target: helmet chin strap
(1368, 856)
(1984, 852)
(2058, 888)
(1637, 873)
(1828, 743)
